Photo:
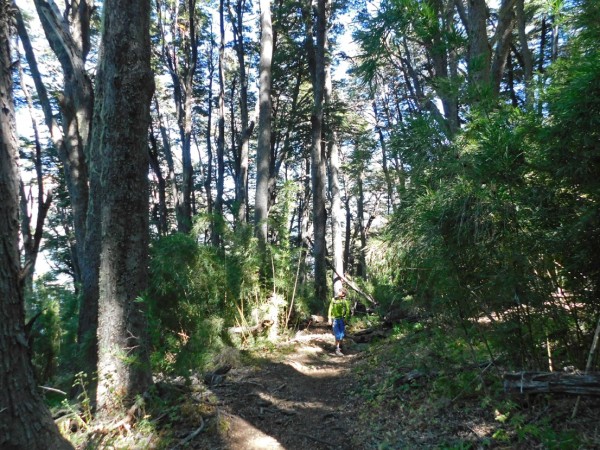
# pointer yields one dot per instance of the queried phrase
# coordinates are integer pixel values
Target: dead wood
(252, 330)
(553, 383)
(191, 436)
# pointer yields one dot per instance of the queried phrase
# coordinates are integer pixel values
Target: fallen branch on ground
(192, 435)
(552, 382)
(253, 330)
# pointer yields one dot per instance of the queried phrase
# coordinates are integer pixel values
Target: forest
(186, 185)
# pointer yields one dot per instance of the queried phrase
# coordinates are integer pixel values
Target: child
(339, 311)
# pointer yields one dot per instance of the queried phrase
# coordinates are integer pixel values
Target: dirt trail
(293, 401)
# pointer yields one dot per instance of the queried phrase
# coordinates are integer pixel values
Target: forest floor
(393, 393)
(296, 398)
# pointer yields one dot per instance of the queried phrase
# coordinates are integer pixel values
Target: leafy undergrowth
(417, 387)
(427, 388)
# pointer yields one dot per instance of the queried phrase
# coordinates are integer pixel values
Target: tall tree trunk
(479, 54)
(318, 160)
(162, 222)
(525, 51)
(208, 178)
(168, 152)
(304, 205)
(25, 422)
(360, 223)
(124, 90)
(181, 57)
(69, 39)
(391, 198)
(216, 237)
(337, 216)
(263, 153)
(241, 184)
(503, 40)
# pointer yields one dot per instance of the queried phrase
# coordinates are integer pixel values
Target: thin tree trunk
(348, 240)
(25, 422)
(337, 217)
(162, 225)
(525, 51)
(263, 153)
(70, 41)
(384, 159)
(247, 127)
(122, 119)
(318, 160)
(182, 70)
(31, 241)
(503, 40)
(216, 237)
(360, 223)
(208, 178)
(166, 146)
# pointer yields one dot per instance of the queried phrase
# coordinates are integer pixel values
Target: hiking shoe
(338, 352)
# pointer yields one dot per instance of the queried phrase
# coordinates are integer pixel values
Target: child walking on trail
(339, 312)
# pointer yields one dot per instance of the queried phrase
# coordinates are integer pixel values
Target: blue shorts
(339, 329)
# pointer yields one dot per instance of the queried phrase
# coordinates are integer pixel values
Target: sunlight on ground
(310, 350)
(244, 435)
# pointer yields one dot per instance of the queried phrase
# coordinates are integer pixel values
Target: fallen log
(553, 383)
(251, 330)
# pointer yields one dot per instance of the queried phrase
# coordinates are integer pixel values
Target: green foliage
(189, 284)
(494, 229)
(53, 333)
(197, 291)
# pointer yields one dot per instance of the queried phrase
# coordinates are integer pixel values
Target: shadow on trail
(298, 402)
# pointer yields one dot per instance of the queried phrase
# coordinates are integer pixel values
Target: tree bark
(391, 198)
(162, 223)
(125, 86)
(318, 159)
(25, 422)
(502, 39)
(552, 382)
(241, 183)
(31, 241)
(360, 223)
(218, 220)
(525, 51)
(181, 56)
(70, 42)
(479, 54)
(263, 153)
(337, 215)
(208, 178)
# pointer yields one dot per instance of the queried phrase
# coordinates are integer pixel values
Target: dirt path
(293, 401)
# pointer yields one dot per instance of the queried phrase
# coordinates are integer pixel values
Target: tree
(246, 126)
(180, 54)
(316, 55)
(25, 422)
(333, 153)
(263, 153)
(217, 232)
(125, 85)
(69, 38)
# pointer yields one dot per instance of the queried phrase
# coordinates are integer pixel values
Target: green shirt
(339, 308)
